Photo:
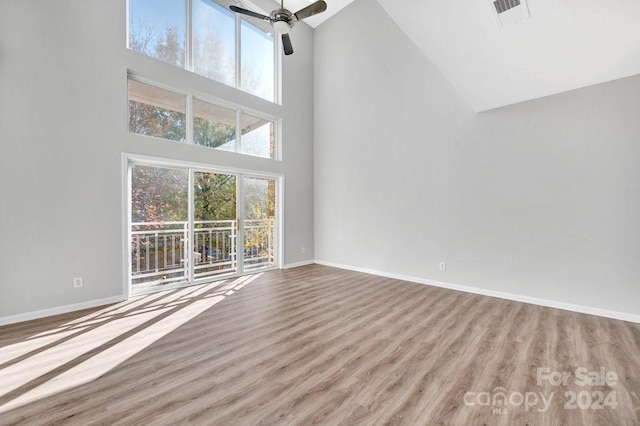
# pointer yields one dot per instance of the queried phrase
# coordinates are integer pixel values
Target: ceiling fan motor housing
(283, 20)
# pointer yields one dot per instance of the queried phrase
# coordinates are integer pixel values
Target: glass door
(190, 225)
(215, 225)
(159, 226)
(259, 222)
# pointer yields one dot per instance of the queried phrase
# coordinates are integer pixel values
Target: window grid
(189, 55)
(190, 116)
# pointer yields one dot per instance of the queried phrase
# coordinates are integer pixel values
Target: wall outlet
(78, 282)
(302, 250)
(443, 266)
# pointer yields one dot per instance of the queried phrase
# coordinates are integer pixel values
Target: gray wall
(63, 124)
(539, 199)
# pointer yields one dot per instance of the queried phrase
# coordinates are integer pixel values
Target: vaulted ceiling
(562, 45)
(333, 7)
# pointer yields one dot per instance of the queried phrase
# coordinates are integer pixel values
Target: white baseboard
(492, 293)
(298, 264)
(474, 290)
(59, 310)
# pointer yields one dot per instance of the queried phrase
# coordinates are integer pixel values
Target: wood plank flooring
(318, 345)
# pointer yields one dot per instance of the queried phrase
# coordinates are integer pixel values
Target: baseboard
(492, 293)
(298, 264)
(28, 316)
(474, 290)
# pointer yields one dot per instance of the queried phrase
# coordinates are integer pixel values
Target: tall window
(189, 225)
(209, 40)
(163, 113)
(214, 126)
(157, 112)
(214, 41)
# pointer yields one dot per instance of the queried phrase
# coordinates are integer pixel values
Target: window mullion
(189, 37)
(240, 223)
(277, 72)
(238, 130)
(238, 51)
(189, 118)
(191, 221)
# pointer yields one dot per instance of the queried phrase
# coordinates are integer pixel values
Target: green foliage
(211, 134)
(259, 203)
(151, 120)
(214, 196)
(259, 198)
(212, 58)
(159, 194)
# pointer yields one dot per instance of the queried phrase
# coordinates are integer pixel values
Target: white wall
(63, 129)
(539, 200)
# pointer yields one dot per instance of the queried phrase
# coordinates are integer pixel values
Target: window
(259, 222)
(214, 43)
(230, 229)
(159, 214)
(257, 61)
(157, 28)
(157, 112)
(214, 126)
(162, 113)
(209, 40)
(258, 136)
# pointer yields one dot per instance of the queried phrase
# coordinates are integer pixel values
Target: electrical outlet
(78, 282)
(302, 249)
(443, 266)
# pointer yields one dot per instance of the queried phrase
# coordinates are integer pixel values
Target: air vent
(508, 13)
(504, 5)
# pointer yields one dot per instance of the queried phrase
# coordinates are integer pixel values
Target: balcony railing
(159, 252)
(258, 243)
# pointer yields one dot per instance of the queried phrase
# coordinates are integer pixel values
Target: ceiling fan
(283, 20)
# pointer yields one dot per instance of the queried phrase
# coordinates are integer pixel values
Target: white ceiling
(333, 7)
(565, 45)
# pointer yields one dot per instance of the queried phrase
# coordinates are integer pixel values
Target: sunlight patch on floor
(60, 348)
(110, 358)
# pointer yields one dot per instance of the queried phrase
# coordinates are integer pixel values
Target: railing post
(185, 248)
(270, 237)
(138, 252)
(155, 251)
(164, 251)
(233, 236)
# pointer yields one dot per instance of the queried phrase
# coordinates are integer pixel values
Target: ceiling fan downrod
(282, 20)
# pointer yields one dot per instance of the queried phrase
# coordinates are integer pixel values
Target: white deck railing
(159, 254)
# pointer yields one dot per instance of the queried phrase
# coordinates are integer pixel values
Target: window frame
(189, 56)
(166, 89)
(189, 117)
(129, 160)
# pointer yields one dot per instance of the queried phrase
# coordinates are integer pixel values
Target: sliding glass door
(189, 225)
(159, 226)
(259, 222)
(215, 226)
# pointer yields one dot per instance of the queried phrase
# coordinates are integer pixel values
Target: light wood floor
(315, 345)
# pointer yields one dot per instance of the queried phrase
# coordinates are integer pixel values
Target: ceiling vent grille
(504, 5)
(509, 12)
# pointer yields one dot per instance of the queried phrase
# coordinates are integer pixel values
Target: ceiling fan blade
(313, 9)
(286, 43)
(250, 13)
